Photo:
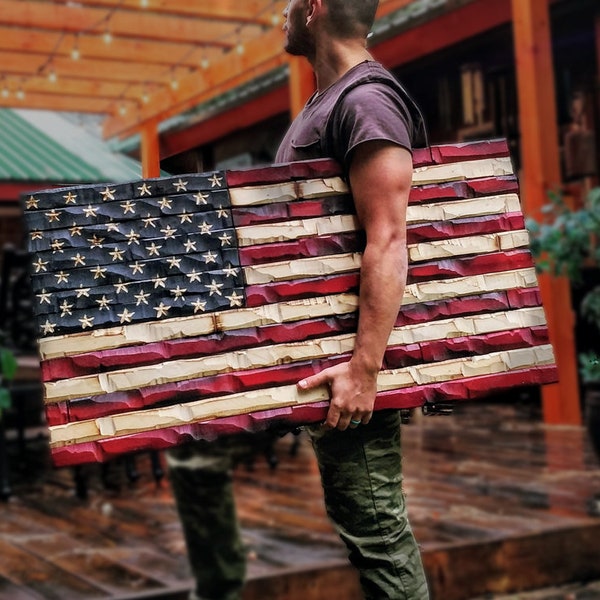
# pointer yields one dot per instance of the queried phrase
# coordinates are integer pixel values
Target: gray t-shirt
(365, 104)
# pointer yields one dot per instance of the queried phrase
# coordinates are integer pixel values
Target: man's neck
(334, 58)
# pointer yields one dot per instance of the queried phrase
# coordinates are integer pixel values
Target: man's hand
(352, 390)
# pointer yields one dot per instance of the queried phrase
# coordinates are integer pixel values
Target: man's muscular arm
(380, 180)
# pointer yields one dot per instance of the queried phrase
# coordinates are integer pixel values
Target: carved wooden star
(215, 181)
(65, 308)
(141, 298)
(190, 246)
(120, 287)
(199, 306)
(78, 260)
(57, 246)
(53, 216)
(99, 272)
(128, 207)
(215, 288)
(40, 265)
(201, 198)
(108, 194)
(44, 297)
(234, 299)
(125, 316)
(116, 254)
(90, 211)
(193, 276)
(48, 327)
(86, 322)
(137, 267)
(144, 189)
(70, 198)
(181, 186)
(153, 249)
(31, 202)
(62, 277)
(161, 310)
(82, 292)
(103, 303)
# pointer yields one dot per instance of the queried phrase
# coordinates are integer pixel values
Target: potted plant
(566, 241)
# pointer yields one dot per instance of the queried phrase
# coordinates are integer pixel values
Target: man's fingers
(313, 381)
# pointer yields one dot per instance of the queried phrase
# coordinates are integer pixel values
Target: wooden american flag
(189, 306)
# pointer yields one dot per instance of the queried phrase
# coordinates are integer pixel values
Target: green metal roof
(44, 146)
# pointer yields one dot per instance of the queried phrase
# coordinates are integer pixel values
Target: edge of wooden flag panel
(160, 439)
(289, 395)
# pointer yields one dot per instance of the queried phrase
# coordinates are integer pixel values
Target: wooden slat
(268, 399)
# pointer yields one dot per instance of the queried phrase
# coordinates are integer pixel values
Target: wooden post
(541, 174)
(302, 83)
(150, 150)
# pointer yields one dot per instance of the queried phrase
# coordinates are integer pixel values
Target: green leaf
(8, 363)
(4, 399)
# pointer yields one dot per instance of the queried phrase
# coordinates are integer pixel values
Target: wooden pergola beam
(77, 19)
(542, 174)
(248, 11)
(47, 44)
(260, 56)
(62, 103)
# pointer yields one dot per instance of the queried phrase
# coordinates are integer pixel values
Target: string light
(239, 48)
(122, 109)
(107, 37)
(75, 54)
(144, 3)
(5, 91)
(20, 94)
(205, 61)
(52, 77)
(174, 83)
(145, 96)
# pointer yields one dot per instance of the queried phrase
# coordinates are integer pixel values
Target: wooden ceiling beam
(233, 69)
(59, 102)
(82, 88)
(77, 19)
(248, 11)
(50, 43)
(16, 62)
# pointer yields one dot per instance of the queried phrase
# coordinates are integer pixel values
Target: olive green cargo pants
(362, 481)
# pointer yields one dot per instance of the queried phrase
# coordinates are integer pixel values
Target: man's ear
(314, 8)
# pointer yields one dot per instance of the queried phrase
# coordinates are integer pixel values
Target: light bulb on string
(205, 61)
(107, 36)
(75, 54)
(20, 94)
(52, 76)
(5, 91)
(174, 83)
(122, 109)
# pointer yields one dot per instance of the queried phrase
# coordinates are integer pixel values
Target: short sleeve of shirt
(369, 112)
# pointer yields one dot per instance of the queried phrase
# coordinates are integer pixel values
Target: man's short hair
(350, 18)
